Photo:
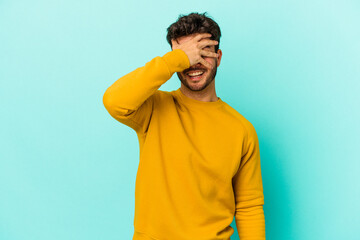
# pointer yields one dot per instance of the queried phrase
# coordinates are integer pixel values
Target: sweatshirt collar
(193, 102)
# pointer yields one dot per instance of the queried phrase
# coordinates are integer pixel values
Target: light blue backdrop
(67, 169)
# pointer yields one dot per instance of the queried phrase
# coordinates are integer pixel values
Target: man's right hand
(194, 48)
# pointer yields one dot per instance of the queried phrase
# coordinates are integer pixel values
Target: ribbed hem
(142, 236)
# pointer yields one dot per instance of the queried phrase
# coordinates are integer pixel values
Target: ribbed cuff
(177, 60)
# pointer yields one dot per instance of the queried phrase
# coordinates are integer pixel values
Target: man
(199, 158)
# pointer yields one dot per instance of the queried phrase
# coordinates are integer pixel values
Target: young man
(199, 158)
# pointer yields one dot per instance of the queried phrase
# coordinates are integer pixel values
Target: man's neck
(206, 95)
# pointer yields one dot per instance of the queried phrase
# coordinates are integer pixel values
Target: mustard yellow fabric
(199, 161)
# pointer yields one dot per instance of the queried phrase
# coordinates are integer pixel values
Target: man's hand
(194, 48)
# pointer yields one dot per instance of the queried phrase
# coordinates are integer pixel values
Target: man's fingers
(201, 36)
(205, 63)
(208, 53)
(207, 42)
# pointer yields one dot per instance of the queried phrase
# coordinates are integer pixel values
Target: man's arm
(248, 189)
(130, 99)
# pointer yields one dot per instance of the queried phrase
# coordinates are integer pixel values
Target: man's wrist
(177, 60)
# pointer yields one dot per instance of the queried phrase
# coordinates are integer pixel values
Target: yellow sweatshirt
(199, 161)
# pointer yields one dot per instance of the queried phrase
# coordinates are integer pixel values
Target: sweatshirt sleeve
(130, 99)
(248, 189)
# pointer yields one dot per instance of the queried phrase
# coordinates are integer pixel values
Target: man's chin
(195, 86)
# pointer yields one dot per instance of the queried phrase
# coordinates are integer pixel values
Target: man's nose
(197, 65)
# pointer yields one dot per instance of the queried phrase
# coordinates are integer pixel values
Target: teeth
(195, 74)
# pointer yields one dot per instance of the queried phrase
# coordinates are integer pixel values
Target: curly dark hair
(194, 23)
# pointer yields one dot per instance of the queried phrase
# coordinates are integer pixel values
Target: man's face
(201, 82)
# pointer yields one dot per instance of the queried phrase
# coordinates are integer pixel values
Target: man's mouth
(195, 75)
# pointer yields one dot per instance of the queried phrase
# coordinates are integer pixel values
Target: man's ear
(174, 42)
(219, 57)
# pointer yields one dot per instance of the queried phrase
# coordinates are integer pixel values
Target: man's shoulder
(162, 98)
(239, 118)
(162, 95)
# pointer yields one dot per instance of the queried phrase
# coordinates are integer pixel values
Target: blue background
(67, 168)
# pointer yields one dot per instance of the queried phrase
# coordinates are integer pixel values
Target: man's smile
(195, 75)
